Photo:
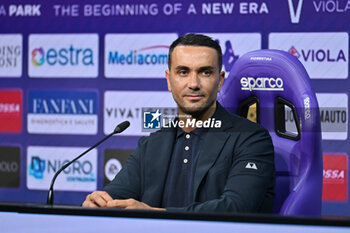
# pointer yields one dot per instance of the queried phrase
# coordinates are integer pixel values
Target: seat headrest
(268, 74)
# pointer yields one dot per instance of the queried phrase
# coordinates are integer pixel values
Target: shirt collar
(196, 131)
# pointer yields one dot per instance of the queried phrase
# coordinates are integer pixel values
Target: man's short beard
(197, 113)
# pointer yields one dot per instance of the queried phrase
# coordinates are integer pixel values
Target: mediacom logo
(44, 162)
(324, 55)
(234, 45)
(335, 177)
(63, 55)
(62, 112)
(10, 167)
(10, 111)
(137, 55)
(129, 105)
(11, 55)
(135, 58)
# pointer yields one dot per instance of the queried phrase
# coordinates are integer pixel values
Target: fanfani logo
(64, 56)
(154, 120)
(38, 57)
(76, 106)
(261, 84)
(137, 57)
(318, 55)
(62, 112)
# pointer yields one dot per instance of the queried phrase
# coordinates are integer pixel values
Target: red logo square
(11, 111)
(335, 177)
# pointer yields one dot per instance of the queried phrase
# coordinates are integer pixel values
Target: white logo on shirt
(251, 165)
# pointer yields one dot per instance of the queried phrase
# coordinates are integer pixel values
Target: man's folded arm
(240, 199)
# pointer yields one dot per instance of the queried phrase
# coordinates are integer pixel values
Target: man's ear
(167, 75)
(221, 80)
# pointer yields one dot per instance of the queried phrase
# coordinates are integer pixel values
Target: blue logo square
(152, 120)
(37, 167)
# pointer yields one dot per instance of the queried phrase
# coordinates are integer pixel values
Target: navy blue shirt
(178, 190)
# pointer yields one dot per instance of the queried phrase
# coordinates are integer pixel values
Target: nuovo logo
(261, 84)
(70, 56)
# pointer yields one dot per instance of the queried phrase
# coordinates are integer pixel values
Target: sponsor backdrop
(71, 70)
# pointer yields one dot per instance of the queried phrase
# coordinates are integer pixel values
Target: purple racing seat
(279, 86)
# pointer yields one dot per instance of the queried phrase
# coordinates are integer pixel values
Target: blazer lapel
(212, 147)
(159, 148)
(213, 144)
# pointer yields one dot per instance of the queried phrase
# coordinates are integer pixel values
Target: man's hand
(97, 199)
(102, 199)
(130, 204)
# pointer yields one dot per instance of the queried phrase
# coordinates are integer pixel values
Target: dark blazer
(225, 178)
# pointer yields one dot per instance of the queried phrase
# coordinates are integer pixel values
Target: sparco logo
(261, 84)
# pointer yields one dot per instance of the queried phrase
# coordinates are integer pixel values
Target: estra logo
(324, 55)
(335, 177)
(11, 111)
(137, 55)
(63, 55)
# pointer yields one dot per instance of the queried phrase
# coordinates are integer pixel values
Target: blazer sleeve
(250, 179)
(127, 183)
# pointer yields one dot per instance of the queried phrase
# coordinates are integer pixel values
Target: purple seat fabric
(272, 77)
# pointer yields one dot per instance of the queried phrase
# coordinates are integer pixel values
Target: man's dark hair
(196, 40)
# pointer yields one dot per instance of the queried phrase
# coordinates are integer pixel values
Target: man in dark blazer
(227, 167)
